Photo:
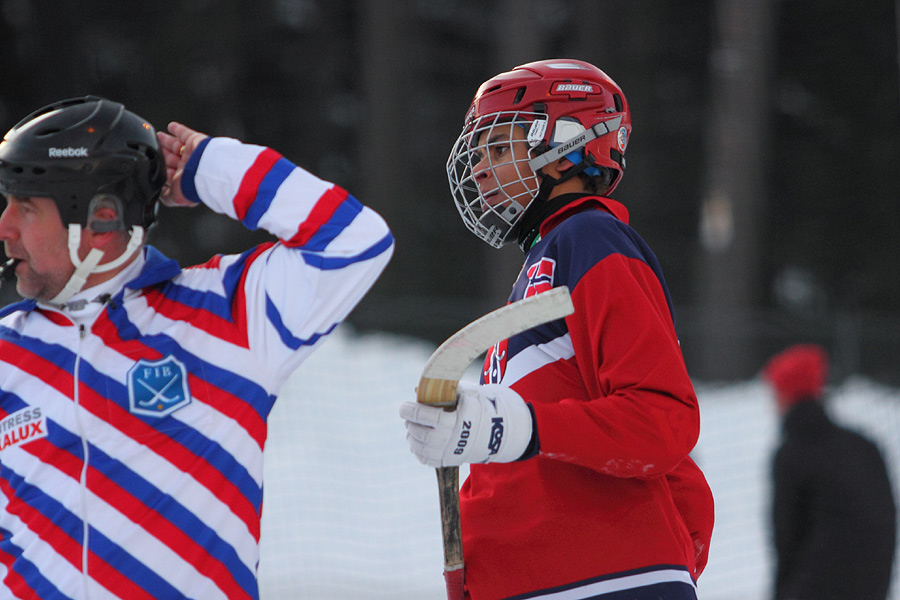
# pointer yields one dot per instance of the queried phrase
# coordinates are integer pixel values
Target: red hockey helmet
(565, 108)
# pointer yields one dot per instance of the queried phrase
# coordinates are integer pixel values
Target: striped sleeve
(331, 248)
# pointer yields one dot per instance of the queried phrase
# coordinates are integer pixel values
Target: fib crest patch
(157, 388)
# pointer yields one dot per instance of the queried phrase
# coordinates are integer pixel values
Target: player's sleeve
(642, 417)
(330, 248)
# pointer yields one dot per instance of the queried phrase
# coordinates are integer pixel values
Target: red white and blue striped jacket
(131, 444)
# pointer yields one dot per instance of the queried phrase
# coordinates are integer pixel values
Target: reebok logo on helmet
(67, 152)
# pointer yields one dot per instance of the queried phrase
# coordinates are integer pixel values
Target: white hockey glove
(491, 423)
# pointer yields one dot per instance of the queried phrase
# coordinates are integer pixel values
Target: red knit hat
(798, 373)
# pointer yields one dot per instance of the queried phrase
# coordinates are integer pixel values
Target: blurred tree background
(763, 167)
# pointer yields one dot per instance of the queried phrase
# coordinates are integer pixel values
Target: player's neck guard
(537, 212)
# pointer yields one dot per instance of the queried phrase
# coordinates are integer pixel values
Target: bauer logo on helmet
(574, 87)
(576, 91)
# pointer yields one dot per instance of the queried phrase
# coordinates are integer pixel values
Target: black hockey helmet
(74, 149)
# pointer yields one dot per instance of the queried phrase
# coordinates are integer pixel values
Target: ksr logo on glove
(496, 435)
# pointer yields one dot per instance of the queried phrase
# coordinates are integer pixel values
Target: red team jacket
(612, 500)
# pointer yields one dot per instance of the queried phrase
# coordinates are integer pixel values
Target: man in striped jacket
(134, 394)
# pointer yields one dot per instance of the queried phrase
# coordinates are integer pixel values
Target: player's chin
(29, 291)
(31, 286)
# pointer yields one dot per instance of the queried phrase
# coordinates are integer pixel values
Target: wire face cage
(490, 179)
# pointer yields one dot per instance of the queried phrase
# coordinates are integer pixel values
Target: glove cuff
(513, 433)
(534, 444)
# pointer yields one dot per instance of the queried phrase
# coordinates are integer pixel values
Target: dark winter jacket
(833, 512)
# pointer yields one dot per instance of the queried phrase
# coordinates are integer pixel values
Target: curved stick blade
(451, 359)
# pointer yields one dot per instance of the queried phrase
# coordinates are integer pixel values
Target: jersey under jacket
(131, 447)
(612, 500)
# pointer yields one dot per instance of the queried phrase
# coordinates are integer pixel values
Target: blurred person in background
(579, 437)
(833, 510)
(134, 394)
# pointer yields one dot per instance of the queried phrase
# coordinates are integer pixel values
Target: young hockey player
(580, 484)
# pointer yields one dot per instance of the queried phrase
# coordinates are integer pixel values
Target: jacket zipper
(82, 334)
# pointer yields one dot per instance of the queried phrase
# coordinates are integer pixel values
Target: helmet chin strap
(85, 268)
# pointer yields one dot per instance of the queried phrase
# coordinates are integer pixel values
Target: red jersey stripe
(13, 580)
(321, 214)
(246, 193)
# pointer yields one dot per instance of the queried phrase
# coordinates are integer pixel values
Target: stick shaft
(448, 486)
(454, 573)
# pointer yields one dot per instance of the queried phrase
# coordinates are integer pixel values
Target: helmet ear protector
(569, 148)
(75, 149)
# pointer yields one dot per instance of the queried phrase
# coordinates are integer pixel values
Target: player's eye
(25, 207)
